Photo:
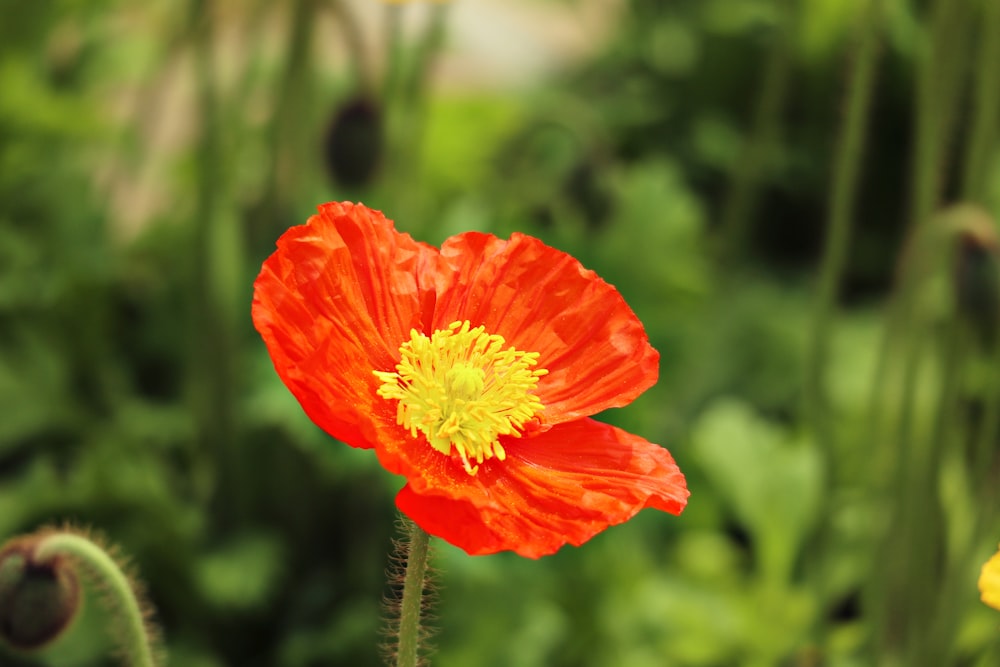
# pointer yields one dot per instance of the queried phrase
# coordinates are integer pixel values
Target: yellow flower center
(462, 389)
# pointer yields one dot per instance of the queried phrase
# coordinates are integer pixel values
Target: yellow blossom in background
(989, 581)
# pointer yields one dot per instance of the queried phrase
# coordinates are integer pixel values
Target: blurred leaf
(657, 237)
(33, 389)
(242, 573)
(772, 481)
(462, 133)
(338, 638)
(31, 108)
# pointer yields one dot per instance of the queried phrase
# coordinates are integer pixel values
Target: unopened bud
(353, 145)
(977, 271)
(38, 600)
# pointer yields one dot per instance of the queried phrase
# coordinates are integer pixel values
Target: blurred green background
(797, 197)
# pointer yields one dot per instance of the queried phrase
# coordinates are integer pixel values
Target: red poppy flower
(471, 371)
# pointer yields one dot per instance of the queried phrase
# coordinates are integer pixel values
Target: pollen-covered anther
(461, 389)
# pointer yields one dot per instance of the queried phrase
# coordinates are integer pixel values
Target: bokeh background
(797, 197)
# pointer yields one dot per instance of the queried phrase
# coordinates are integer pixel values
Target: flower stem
(413, 593)
(986, 104)
(134, 634)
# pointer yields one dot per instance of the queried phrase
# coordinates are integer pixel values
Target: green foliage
(150, 155)
(780, 508)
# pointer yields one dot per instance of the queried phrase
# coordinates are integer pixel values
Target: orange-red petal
(562, 486)
(542, 300)
(340, 295)
(333, 303)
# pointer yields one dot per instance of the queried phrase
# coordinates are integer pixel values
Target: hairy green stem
(413, 593)
(136, 643)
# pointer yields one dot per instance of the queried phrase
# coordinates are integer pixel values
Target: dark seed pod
(354, 142)
(589, 194)
(37, 600)
(976, 282)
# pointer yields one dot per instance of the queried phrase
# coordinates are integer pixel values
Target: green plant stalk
(891, 345)
(397, 168)
(922, 514)
(936, 103)
(406, 89)
(288, 139)
(846, 174)
(892, 570)
(940, 76)
(908, 552)
(894, 345)
(982, 470)
(395, 56)
(911, 619)
(286, 133)
(917, 622)
(352, 32)
(427, 48)
(411, 605)
(742, 196)
(963, 556)
(926, 112)
(982, 136)
(136, 642)
(989, 430)
(218, 286)
(414, 98)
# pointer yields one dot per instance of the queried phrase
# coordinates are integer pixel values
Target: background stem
(846, 173)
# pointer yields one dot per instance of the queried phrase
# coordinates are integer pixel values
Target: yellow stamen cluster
(462, 389)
